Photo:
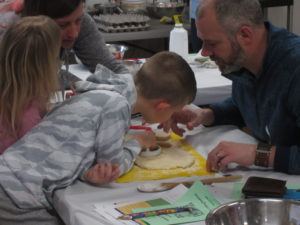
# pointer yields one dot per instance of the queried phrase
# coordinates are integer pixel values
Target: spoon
(157, 187)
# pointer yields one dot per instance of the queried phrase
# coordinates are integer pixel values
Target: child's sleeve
(111, 145)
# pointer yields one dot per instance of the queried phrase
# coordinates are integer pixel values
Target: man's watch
(262, 155)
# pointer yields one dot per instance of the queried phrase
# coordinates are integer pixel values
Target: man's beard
(235, 61)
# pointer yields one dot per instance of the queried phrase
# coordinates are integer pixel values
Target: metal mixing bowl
(256, 212)
(105, 8)
(117, 50)
(164, 9)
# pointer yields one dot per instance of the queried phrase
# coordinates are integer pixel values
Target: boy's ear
(162, 105)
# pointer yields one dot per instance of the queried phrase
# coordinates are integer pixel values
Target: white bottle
(178, 42)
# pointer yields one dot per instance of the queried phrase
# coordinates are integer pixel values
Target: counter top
(156, 30)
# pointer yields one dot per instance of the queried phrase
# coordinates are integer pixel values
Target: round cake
(168, 159)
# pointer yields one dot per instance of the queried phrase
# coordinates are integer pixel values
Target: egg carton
(122, 22)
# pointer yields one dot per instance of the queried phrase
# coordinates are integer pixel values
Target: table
(211, 86)
(75, 203)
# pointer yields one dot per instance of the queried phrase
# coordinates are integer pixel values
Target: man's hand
(191, 117)
(102, 173)
(228, 152)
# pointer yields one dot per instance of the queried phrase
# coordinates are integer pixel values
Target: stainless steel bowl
(105, 8)
(117, 50)
(256, 212)
(164, 9)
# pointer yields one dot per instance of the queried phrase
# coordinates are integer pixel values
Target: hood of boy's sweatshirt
(105, 79)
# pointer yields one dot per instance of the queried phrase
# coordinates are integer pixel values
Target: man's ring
(219, 155)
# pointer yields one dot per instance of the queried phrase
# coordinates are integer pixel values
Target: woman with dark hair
(78, 32)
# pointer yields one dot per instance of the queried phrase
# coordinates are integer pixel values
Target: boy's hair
(52, 8)
(29, 53)
(167, 76)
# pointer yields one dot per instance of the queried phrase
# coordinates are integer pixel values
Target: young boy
(84, 136)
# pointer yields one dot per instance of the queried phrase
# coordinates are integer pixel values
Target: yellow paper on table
(197, 169)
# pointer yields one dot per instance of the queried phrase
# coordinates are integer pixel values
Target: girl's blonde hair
(29, 52)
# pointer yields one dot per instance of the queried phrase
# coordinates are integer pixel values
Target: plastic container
(178, 42)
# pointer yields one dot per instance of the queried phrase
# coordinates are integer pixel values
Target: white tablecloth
(75, 203)
(211, 86)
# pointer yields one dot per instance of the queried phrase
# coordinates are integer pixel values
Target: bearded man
(263, 62)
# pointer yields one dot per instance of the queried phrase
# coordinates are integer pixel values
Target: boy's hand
(146, 139)
(102, 173)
